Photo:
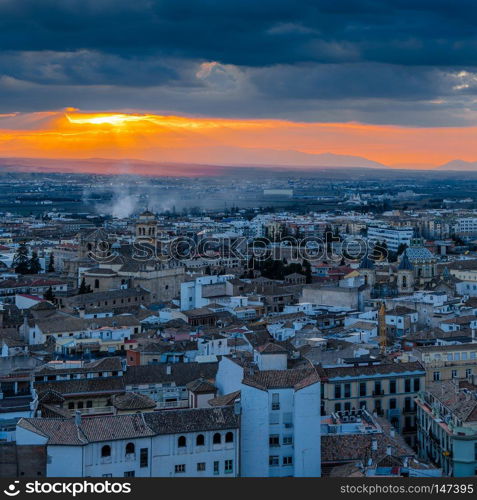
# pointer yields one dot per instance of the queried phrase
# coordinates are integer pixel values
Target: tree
(20, 261)
(307, 269)
(51, 264)
(49, 295)
(84, 288)
(34, 266)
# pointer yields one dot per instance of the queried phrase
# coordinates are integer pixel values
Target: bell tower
(405, 275)
(146, 228)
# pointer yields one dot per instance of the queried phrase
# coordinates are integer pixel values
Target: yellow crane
(383, 340)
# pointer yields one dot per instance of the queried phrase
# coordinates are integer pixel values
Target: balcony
(181, 403)
(378, 393)
(409, 409)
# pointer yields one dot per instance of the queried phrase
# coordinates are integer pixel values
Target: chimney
(374, 445)
(168, 369)
(77, 418)
(389, 450)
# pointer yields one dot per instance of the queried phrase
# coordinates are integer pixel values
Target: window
(229, 437)
(362, 389)
(89, 404)
(347, 406)
(337, 407)
(468, 372)
(417, 385)
(106, 451)
(407, 385)
(392, 387)
(287, 460)
(181, 442)
(229, 466)
(143, 457)
(454, 373)
(217, 438)
(216, 468)
(130, 448)
(107, 475)
(80, 405)
(377, 388)
(200, 466)
(274, 440)
(273, 460)
(129, 473)
(436, 376)
(179, 469)
(287, 440)
(392, 404)
(275, 401)
(347, 390)
(71, 406)
(337, 391)
(200, 440)
(475, 451)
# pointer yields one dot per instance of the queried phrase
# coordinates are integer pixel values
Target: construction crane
(382, 328)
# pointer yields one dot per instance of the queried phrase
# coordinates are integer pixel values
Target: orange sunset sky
(71, 133)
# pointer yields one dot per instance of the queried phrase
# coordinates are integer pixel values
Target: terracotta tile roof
(377, 369)
(357, 447)
(201, 386)
(132, 401)
(225, 400)
(108, 428)
(98, 385)
(181, 373)
(192, 420)
(281, 379)
(271, 348)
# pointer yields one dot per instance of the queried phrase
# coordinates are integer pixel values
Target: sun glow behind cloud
(163, 138)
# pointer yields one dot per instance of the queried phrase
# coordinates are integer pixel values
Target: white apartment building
(174, 443)
(393, 236)
(466, 226)
(280, 413)
(203, 290)
(280, 425)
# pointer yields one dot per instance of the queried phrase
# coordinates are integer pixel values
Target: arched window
(181, 442)
(130, 448)
(229, 437)
(217, 438)
(200, 440)
(404, 281)
(106, 451)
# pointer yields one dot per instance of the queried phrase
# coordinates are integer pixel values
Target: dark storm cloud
(250, 32)
(371, 60)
